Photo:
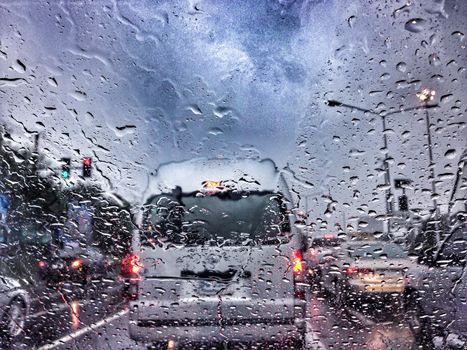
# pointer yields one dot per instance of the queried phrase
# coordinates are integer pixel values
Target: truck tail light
(297, 262)
(298, 268)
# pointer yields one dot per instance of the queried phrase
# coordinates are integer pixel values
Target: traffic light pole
(387, 177)
(387, 174)
(431, 165)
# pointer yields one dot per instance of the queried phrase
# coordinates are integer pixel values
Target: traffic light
(87, 167)
(65, 172)
(403, 203)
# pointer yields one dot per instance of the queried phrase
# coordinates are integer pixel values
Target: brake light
(135, 269)
(42, 263)
(352, 270)
(132, 264)
(130, 269)
(297, 262)
(76, 264)
(298, 268)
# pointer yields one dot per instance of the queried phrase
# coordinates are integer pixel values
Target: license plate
(210, 288)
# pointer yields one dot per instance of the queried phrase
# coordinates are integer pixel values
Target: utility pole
(387, 174)
(426, 96)
(36, 152)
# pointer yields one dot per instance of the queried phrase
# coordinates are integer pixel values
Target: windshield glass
(226, 218)
(245, 174)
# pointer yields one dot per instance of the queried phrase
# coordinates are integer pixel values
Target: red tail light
(132, 265)
(328, 236)
(298, 268)
(297, 262)
(41, 263)
(351, 270)
(130, 269)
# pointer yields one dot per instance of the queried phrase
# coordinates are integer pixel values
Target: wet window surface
(222, 218)
(269, 174)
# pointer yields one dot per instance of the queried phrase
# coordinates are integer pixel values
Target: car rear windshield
(377, 251)
(226, 218)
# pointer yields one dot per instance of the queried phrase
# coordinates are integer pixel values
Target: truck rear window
(377, 251)
(226, 218)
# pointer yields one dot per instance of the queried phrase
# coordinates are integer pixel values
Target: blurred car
(14, 309)
(320, 250)
(365, 269)
(75, 265)
(440, 286)
(218, 260)
(21, 246)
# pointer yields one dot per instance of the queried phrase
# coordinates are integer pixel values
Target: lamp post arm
(411, 109)
(334, 103)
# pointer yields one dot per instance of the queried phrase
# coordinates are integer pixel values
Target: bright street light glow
(426, 95)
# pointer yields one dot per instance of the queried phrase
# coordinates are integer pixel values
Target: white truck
(217, 257)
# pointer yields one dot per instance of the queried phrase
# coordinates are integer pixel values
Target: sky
(135, 84)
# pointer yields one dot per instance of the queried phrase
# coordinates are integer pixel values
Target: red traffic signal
(87, 162)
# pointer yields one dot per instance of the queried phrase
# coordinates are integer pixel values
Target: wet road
(61, 318)
(97, 318)
(339, 327)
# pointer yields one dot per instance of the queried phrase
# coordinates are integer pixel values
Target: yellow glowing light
(297, 263)
(74, 313)
(211, 184)
(297, 266)
(171, 344)
(76, 264)
(426, 95)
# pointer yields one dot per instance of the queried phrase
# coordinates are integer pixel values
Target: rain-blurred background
(134, 84)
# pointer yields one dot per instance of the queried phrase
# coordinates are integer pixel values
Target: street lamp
(425, 96)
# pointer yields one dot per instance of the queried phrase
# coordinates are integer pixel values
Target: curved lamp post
(425, 96)
(383, 115)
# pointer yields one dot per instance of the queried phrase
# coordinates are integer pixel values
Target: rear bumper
(144, 331)
(62, 275)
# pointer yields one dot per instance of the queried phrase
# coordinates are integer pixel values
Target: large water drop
(415, 25)
(401, 67)
(450, 154)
